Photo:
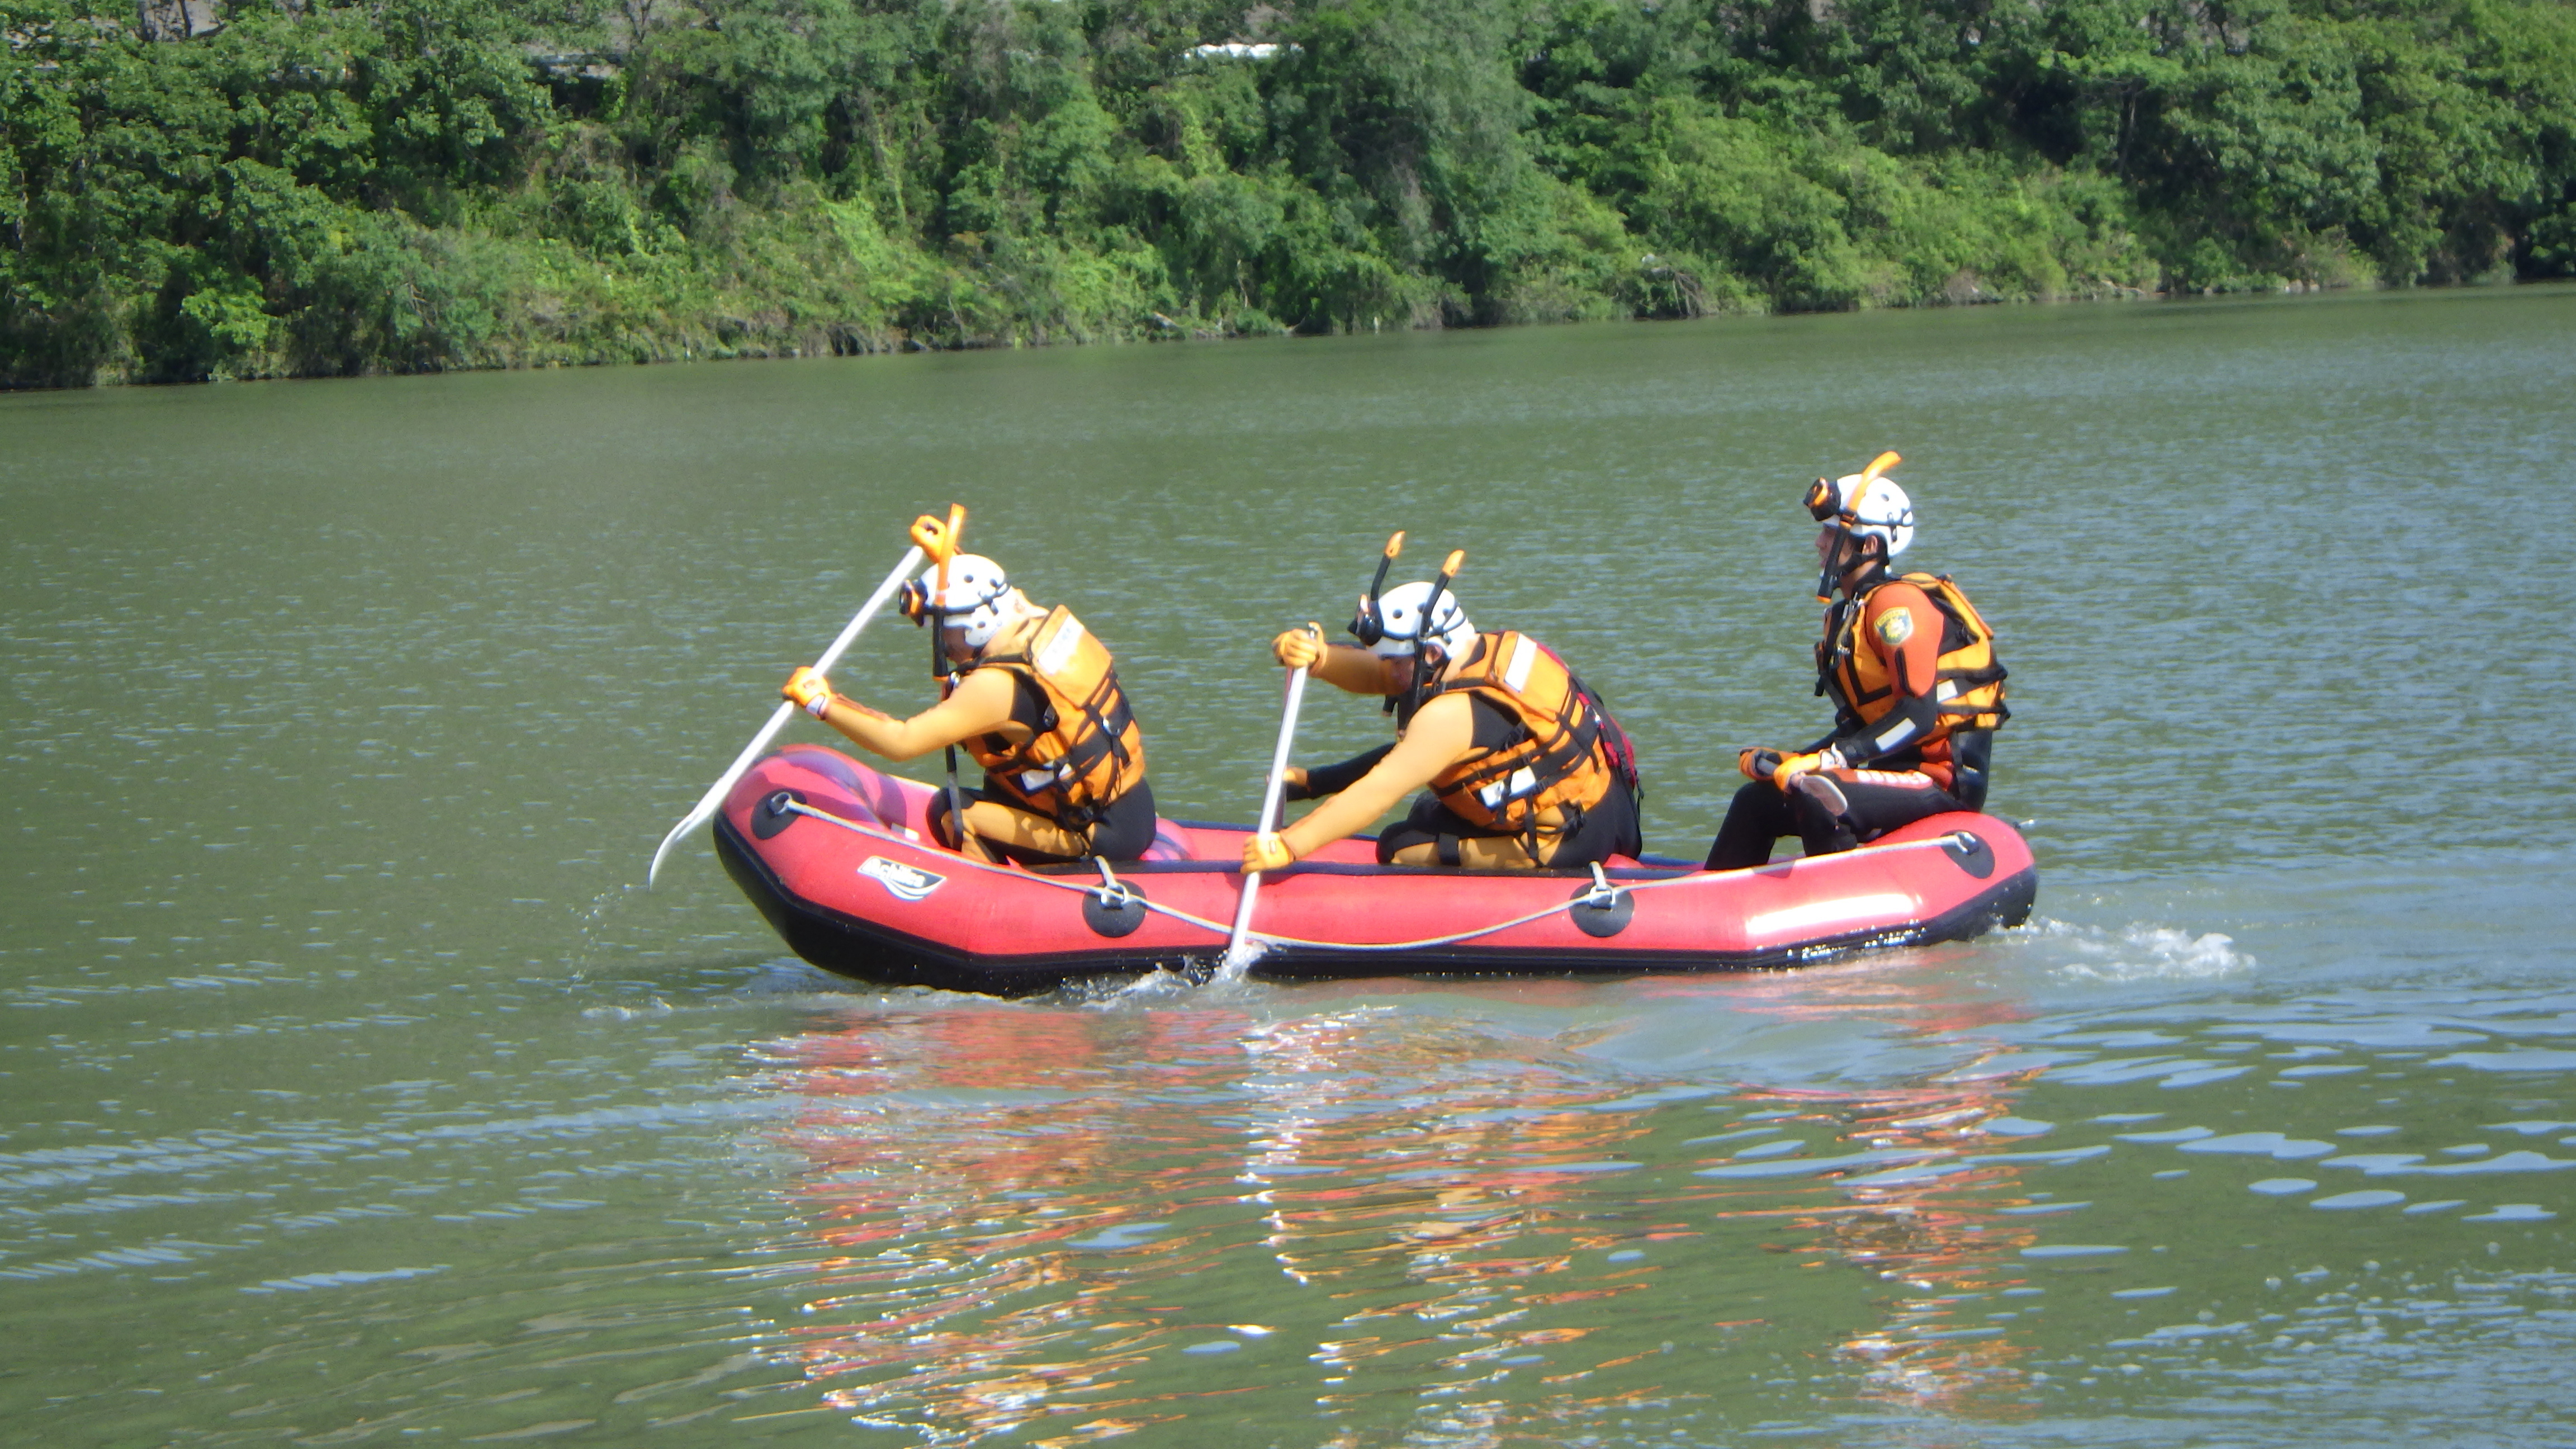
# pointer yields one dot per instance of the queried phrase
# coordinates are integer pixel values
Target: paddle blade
(1239, 959)
(711, 801)
(662, 851)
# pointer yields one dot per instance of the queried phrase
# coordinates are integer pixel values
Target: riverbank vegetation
(303, 187)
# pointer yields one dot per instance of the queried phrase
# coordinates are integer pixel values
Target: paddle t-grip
(939, 540)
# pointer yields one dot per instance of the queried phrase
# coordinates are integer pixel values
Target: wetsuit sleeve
(1904, 630)
(1029, 703)
(1493, 729)
(1334, 779)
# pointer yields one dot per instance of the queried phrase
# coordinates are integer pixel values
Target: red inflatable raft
(833, 854)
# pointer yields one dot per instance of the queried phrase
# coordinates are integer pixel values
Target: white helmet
(976, 599)
(1866, 505)
(1400, 612)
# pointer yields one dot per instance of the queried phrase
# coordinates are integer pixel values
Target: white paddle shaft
(710, 802)
(1235, 958)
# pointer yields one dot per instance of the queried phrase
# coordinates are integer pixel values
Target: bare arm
(981, 705)
(1359, 671)
(1441, 732)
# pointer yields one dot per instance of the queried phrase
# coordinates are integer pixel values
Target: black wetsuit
(1880, 802)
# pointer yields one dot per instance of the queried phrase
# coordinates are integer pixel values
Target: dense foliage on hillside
(312, 186)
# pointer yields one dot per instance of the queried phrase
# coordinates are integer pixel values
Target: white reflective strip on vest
(1516, 673)
(1059, 650)
(1032, 781)
(1904, 731)
(1519, 782)
(1946, 689)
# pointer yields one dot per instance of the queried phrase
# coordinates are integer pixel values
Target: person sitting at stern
(1917, 692)
(1524, 767)
(1033, 696)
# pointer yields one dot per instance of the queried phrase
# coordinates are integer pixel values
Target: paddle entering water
(708, 803)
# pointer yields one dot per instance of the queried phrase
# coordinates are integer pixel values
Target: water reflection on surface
(1396, 1214)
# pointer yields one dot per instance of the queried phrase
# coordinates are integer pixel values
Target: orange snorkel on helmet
(960, 592)
(1861, 505)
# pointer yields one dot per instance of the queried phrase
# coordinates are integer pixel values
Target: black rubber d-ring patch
(1970, 853)
(1601, 920)
(771, 815)
(1113, 914)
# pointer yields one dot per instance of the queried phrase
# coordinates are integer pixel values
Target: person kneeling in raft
(1524, 767)
(1032, 696)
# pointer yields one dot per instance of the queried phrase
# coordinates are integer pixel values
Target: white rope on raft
(1603, 895)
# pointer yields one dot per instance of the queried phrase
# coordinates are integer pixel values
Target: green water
(356, 1093)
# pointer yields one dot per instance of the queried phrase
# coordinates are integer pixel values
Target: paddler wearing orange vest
(1033, 696)
(1521, 765)
(1910, 667)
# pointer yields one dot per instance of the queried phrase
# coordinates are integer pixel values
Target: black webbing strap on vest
(1107, 741)
(1552, 763)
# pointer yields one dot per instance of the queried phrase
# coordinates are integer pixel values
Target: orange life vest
(1556, 758)
(1087, 750)
(1968, 681)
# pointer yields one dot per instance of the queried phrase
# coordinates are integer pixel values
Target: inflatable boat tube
(833, 854)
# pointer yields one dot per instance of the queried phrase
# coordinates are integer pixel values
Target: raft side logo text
(907, 882)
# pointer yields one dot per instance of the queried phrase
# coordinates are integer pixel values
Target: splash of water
(591, 940)
(2137, 952)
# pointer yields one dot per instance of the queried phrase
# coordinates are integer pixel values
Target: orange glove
(1757, 764)
(1792, 766)
(1300, 648)
(810, 690)
(1267, 852)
